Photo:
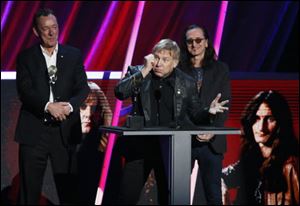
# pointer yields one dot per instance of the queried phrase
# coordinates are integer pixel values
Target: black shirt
(162, 100)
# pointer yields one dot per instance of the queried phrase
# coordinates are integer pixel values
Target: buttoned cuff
(71, 108)
(46, 106)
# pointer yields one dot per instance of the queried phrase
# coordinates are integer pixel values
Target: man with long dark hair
(268, 170)
(198, 59)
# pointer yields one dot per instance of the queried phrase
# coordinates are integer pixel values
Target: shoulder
(69, 49)
(134, 69)
(219, 66)
(29, 51)
(182, 75)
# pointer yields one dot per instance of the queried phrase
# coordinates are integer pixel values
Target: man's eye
(271, 119)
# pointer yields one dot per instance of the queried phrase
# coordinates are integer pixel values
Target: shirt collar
(45, 51)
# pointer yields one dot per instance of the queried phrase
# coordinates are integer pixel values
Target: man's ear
(35, 32)
(175, 63)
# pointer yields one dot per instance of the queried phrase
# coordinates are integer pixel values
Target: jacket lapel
(207, 81)
(145, 97)
(41, 69)
(60, 64)
(178, 94)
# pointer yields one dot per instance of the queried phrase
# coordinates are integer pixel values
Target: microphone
(52, 70)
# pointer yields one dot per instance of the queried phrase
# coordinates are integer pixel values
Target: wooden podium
(180, 154)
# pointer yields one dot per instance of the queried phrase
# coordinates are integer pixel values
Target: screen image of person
(268, 170)
(167, 97)
(94, 112)
(199, 60)
(51, 85)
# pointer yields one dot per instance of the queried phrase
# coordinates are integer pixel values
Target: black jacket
(33, 90)
(187, 107)
(188, 110)
(215, 80)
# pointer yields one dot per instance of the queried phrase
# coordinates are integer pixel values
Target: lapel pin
(61, 56)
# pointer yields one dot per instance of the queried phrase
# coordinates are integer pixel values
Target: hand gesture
(204, 137)
(149, 63)
(59, 110)
(216, 106)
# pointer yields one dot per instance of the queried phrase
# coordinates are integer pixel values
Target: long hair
(185, 56)
(283, 142)
(102, 113)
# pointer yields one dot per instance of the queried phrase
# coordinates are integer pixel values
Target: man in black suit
(51, 84)
(165, 97)
(198, 59)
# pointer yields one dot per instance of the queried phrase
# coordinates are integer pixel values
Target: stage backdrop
(242, 91)
(258, 40)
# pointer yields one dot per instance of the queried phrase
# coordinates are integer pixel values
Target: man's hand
(216, 106)
(149, 63)
(59, 110)
(204, 137)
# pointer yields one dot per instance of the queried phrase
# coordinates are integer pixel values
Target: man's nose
(88, 111)
(262, 125)
(158, 62)
(51, 32)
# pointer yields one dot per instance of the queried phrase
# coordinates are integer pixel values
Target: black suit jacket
(215, 80)
(33, 90)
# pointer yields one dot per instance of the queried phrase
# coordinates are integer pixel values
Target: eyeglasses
(197, 40)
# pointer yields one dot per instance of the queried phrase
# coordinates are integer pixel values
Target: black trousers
(137, 170)
(210, 170)
(33, 162)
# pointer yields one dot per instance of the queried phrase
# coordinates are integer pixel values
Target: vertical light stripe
(263, 53)
(220, 26)
(100, 34)
(5, 13)
(193, 181)
(69, 23)
(26, 27)
(112, 137)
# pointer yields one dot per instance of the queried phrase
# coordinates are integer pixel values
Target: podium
(180, 154)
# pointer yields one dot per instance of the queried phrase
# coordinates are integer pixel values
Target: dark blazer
(33, 90)
(187, 108)
(215, 80)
